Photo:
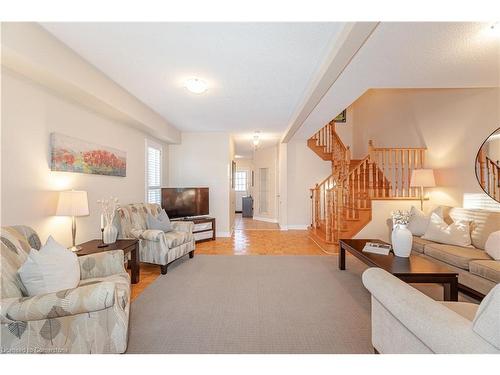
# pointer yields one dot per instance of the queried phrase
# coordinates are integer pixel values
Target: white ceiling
(413, 55)
(257, 72)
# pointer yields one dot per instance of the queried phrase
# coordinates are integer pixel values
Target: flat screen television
(185, 202)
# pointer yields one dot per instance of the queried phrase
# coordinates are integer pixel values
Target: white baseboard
(298, 227)
(269, 220)
(283, 227)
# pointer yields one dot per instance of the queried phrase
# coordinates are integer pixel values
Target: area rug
(253, 304)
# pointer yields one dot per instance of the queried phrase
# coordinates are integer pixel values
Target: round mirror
(488, 165)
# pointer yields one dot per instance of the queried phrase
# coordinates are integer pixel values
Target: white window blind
(153, 178)
(241, 181)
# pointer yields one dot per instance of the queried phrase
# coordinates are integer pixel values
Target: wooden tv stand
(204, 228)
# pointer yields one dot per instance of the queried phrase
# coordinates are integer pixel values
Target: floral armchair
(156, 246)
(91, 318)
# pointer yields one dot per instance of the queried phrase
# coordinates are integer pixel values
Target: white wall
(305, 169)
(203, 159)
(345, 129)
(29, 189)
(377, 227)
(283, 186)
(451, 123)
(266, 157)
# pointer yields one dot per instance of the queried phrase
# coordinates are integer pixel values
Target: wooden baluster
(397, 177)
(408, 174)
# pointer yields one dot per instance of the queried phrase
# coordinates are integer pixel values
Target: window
(153, 173)
(241, 181)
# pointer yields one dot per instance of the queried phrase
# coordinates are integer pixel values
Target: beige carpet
(255, 304)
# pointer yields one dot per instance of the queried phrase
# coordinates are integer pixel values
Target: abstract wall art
(70, 154)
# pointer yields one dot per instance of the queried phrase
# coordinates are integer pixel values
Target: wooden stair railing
(341, 204)
(488, 172)
(397, 165)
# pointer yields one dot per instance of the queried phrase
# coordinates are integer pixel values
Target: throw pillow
(419, 221)
(486, 323)
(492, 246)
(162, 222)
(457, 233)
(50, 269)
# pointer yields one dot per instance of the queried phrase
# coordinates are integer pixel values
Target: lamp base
(75, 248)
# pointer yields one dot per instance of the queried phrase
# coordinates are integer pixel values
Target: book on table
(377, 248)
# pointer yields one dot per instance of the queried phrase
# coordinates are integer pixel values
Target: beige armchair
(92, 318)
(406, 321)
(155, 246)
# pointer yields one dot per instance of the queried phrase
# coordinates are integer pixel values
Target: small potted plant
(401, 237)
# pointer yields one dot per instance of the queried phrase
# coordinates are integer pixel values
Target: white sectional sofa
(478, 273)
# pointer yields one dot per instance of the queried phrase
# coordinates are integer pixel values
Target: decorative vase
(402, 240)
(110, 233)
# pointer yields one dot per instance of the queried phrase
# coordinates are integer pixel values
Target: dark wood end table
(128, 246)
(415, 269)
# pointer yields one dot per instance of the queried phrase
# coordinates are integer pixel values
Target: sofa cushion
(457, 233)
(15, 244)
(483, 223)
(455, 255)
(49, 270)
(465, 309)
(492, 246)
(419, 244)
(419, 221)
(489, 269)
(486, 323)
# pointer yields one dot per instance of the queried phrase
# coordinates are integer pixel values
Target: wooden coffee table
(414, 269)
(128, 246)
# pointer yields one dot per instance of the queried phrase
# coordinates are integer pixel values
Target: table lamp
(73, 203)
(422, 178)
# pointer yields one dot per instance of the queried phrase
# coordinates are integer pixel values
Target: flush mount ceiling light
(494, 28)
(196, 85)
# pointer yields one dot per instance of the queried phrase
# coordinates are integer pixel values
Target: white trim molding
(298, 227)
(266, 219)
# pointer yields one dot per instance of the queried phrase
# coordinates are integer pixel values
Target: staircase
(488, 173)
(342, 202)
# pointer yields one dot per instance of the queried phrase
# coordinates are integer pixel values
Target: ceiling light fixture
(256, 139)
(494, 28)
(196, 85)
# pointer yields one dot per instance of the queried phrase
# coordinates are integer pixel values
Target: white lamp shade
(422, 177)
(72, 203)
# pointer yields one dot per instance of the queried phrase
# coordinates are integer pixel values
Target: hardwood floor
(250, 237)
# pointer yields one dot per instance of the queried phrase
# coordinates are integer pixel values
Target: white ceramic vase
(110, 233)
(402, 240)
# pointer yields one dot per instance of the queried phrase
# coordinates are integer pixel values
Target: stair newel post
(372, 170)
(329, 216)
(312, 197)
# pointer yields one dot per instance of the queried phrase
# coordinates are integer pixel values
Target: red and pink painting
(69, 154)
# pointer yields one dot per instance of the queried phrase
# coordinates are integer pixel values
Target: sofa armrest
(83, 299)
(102, 264)
(152, 235)
(183, 226)
(439, 328)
